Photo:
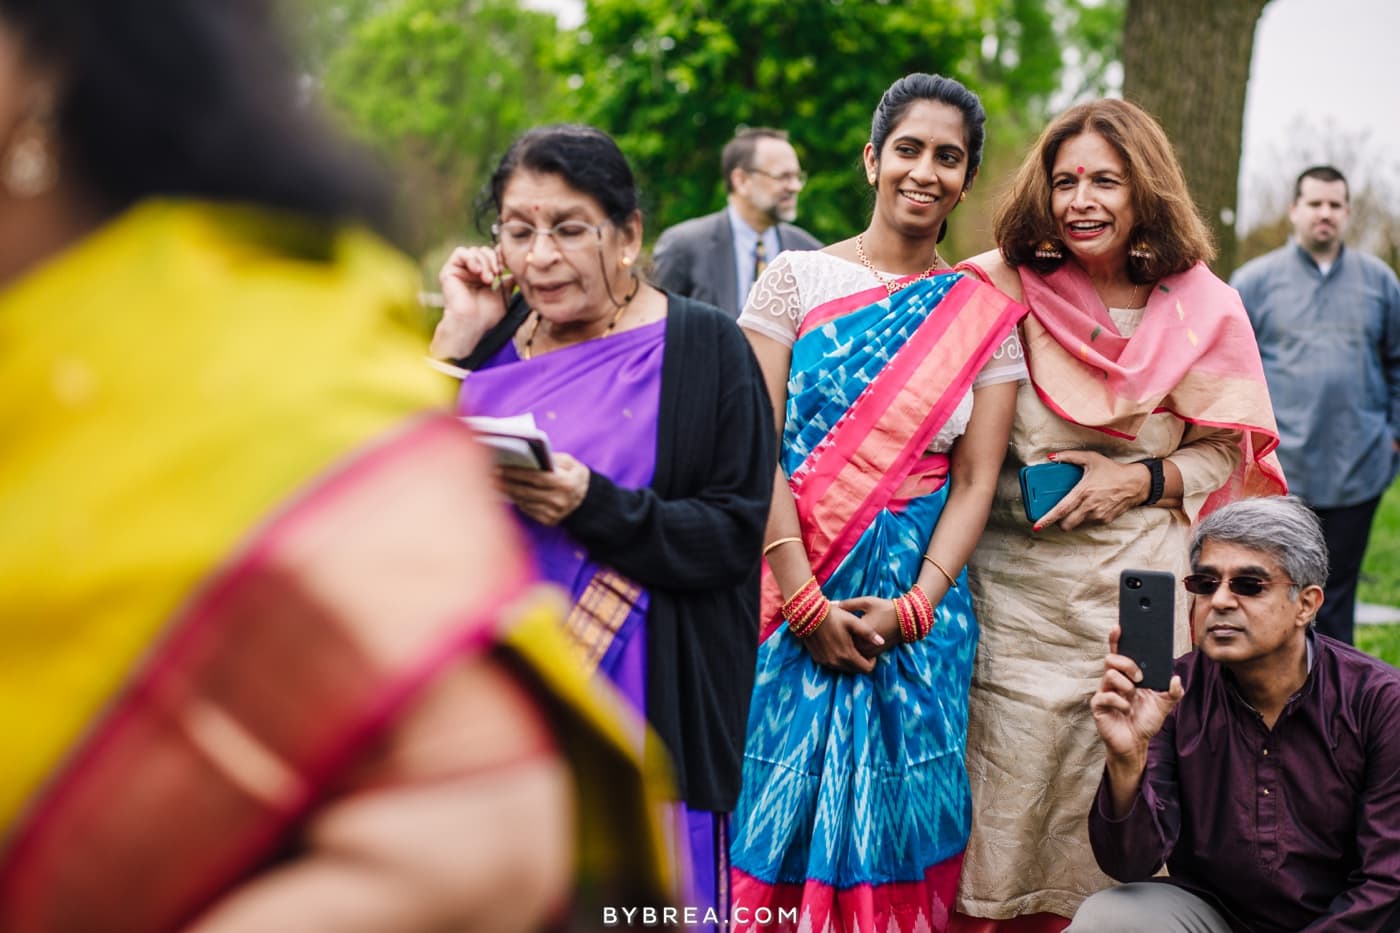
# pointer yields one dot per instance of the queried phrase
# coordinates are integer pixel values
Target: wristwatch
(1159, 480)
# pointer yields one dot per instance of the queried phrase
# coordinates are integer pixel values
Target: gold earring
(1141, 251)
(29, 169)
(962, 196)
(626, 262)
(1048, 249)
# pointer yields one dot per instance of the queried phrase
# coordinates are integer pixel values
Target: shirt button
(1266, 752)
(1266, 792)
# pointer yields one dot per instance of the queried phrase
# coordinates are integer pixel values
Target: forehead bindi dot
(1079, 169)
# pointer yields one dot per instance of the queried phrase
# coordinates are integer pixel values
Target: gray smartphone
(1147, 619)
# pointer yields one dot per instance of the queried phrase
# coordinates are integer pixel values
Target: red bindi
(1079, 169)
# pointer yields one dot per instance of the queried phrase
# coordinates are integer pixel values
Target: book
(516, 441)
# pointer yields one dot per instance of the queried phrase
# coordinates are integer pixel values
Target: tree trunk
(1187, 63)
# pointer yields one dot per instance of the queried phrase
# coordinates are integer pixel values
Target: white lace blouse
(798, 281)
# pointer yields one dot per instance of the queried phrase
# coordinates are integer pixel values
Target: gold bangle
(778, 542)
(952, 584)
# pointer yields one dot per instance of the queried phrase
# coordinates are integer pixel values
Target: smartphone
(1043, 485)
(1147, 620)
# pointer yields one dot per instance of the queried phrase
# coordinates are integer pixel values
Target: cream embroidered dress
(1046, 601)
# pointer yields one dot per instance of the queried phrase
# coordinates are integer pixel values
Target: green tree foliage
(440, 87)
(320, 27)
(673, 80)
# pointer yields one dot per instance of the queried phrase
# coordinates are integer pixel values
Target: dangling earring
(28, 168)
(1048, 249)
(1141, 251)
(962, 196)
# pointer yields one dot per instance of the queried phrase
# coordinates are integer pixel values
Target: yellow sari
(230, 554)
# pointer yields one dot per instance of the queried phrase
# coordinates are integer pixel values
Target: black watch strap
(1159, 480)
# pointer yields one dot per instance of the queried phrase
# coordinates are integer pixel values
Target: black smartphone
(1147, 620)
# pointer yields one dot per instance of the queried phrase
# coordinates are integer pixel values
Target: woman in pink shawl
(1144, 372)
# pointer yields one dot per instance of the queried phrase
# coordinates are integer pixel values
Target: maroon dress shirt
(1284, 829)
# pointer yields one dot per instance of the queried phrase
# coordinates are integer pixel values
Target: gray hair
(1281, 526)
(739, 152)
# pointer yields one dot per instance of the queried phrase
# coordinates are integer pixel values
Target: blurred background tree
(1187, 63)
(673, 79)
(441, 86)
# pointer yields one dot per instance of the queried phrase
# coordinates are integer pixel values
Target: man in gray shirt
(1328, 323)
(717, 258)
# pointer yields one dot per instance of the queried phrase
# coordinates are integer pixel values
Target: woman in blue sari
(894, 381)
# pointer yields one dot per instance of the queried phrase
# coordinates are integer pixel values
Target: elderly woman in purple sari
(894, 380)
(652, 516)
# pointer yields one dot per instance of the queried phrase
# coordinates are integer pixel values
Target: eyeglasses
(1203, 584)
(786, 178)
(517, 236)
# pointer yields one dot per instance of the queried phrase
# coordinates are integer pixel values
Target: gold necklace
(1133, 298)
(892, 285)
(617, 316)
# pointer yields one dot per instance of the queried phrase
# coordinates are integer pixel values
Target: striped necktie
(760, 259)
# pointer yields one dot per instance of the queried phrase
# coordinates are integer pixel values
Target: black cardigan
(694, 539)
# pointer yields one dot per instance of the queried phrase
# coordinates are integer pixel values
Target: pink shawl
(1194, 355)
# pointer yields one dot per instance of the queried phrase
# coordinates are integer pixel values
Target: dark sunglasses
(1203, 584)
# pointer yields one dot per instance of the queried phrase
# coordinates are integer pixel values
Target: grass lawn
(1381, 641)
(1380, 571)
(1380, 578)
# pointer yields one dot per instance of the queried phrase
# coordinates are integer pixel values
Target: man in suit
(717, 258)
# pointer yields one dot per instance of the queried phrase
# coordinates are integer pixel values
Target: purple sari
(599, 401)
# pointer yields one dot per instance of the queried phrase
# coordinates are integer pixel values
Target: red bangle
(925, 609)
(803, 594)
(905, 630)
(807, 609)
(915, 614)
(806, 625)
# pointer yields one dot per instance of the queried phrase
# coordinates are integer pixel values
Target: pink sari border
(894, 907)
(836, 307)
(194, 627)
(869, 485)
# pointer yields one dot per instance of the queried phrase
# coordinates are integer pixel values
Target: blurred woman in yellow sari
(269, 655)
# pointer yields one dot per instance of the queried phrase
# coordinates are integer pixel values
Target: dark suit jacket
(695, 258)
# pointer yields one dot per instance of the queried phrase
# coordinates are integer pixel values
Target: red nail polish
(1035, 528)
(1050, 456)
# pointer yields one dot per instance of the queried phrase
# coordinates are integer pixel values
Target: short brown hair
(1167, 219)
(1324, 173)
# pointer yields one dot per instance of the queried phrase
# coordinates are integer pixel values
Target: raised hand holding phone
(475, 285)
(1127, 718)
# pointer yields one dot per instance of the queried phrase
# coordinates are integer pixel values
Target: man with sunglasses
(718, 257)
(1267, 778)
